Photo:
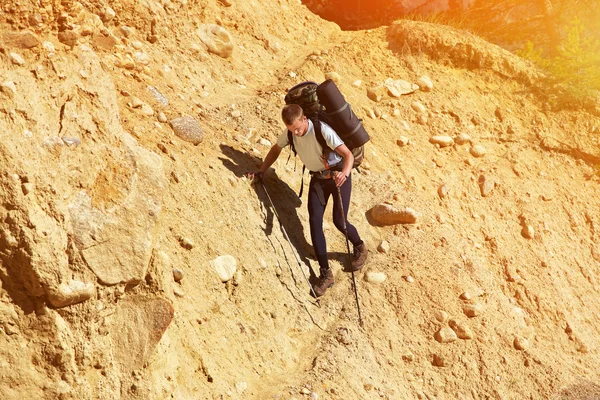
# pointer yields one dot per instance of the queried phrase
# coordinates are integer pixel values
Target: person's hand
(256, 176)
(339, 178)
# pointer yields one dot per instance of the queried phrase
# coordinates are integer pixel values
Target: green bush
(576, 65)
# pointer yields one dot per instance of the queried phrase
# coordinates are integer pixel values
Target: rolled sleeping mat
(340, 115)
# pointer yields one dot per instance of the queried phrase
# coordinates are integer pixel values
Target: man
(327, 176)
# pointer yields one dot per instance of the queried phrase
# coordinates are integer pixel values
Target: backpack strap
(291, 143)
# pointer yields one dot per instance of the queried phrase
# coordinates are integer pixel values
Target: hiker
(327, 176)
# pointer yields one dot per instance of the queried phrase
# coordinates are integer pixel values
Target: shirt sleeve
(282, 140)
(331, 137)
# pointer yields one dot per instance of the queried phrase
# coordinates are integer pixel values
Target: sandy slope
(261, 335)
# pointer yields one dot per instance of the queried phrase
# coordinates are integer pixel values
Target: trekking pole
(360, 321)
(290, 242)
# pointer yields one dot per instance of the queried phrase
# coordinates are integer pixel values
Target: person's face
(299, 127)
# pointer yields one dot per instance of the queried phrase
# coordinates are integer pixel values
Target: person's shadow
(273, 193)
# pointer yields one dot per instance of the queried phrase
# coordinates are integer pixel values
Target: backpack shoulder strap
(291, 142)
(319, 133)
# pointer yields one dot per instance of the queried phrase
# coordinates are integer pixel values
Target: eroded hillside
(127, 128)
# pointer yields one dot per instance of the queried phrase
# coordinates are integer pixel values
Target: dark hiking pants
(318, 195)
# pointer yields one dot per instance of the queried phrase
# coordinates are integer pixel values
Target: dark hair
(291, 113)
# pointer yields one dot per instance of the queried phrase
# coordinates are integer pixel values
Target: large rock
(136, 328)
(75, 211)
(188, 129)
(386, 214)
(20, 40)
(217, 40)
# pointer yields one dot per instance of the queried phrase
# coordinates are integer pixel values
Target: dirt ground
(490, 294)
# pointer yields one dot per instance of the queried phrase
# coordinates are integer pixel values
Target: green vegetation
(576, 63)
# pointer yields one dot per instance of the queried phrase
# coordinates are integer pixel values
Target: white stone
(477, 151)
(264, 142)
(384, 247)
(375, 277)
(442, 141)
(418, 107)
(16, 59)
(48, 46)
(225, 267)
(109, 14)
(8, 87)
(357, 83)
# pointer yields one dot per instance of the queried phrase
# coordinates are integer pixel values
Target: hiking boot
(359, 257)
(324, 282)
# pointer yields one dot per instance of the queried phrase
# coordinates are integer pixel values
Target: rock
(334, 76)
(217, 40)
(462, 138)
(136, 327)
(265, 142)
(409, 279)
(186, 243)
(465, 296)
(477, 151)
(520, 343)
(226, 3)
(161, 117)
(236, 114)
(161, 98)
(405, 125)
(357, 83)
(375, 277)
(116, 241)
(462, 332)
(440, 316)
(384, 247)
(396, 88)
(376, 93)
(343, 336)
(240, 387)
(499, 114)
(108, 14)
(20, 40)
(445, 335)
(442, 141)
(443, 190)
(422, 119)
(486, 185)
(68, 37)
(103, 42)
(528, 232)
(188, 128)
(472, 310)
(418, 107)
(177, 274)
(225, 267)
(16, 59)
(9, 88)
(402, 141)
(425, 84)
(438, 361)
(385, 214)
(72, 293)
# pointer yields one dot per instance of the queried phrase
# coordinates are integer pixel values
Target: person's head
(294, 119)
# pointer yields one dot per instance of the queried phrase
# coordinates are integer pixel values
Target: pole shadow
(279, 195)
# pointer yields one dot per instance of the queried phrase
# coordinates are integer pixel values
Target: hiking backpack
(326, 103)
